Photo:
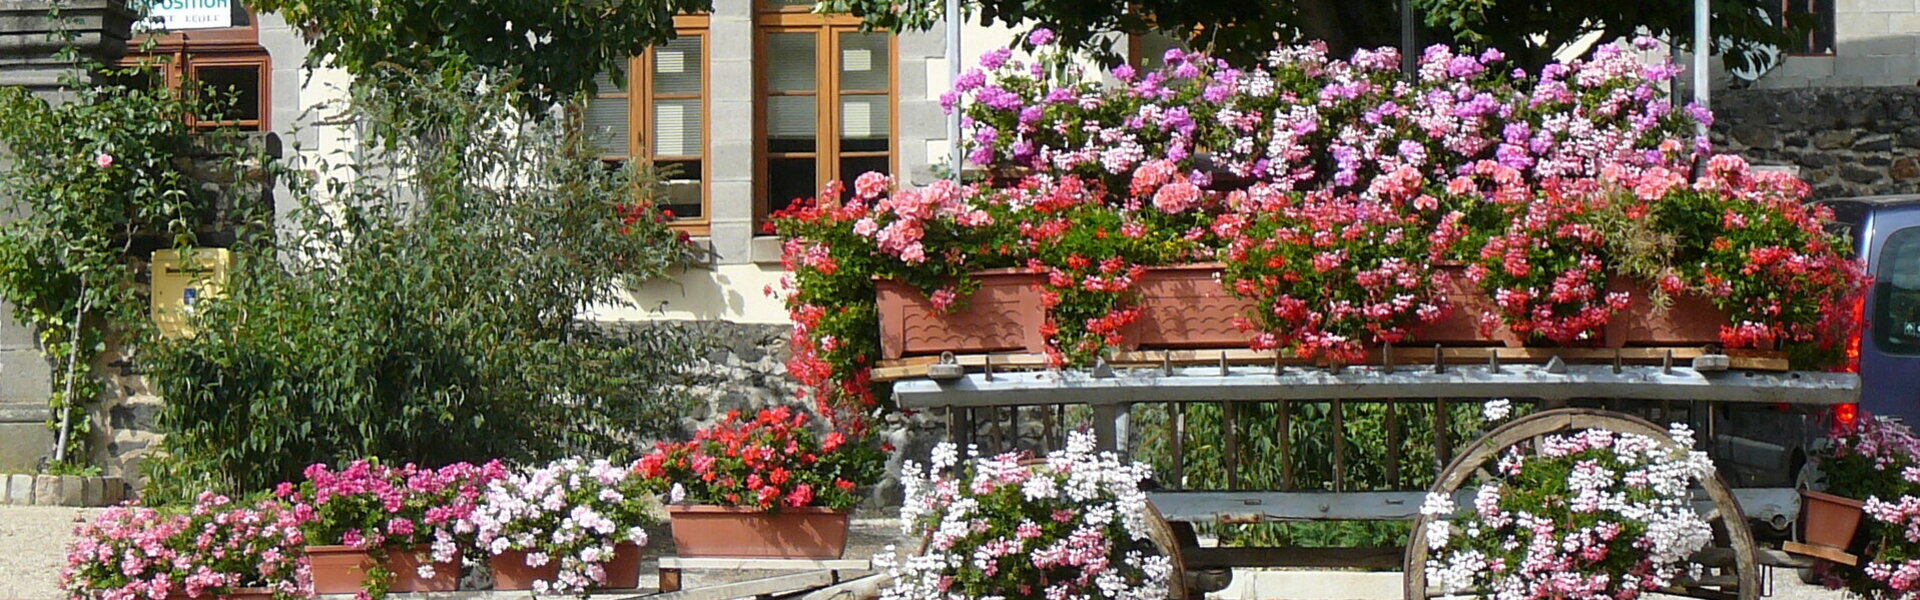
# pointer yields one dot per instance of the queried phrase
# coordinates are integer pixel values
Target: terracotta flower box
(1830, 521)
(749, 532)
(511, 571)
(1004, 315)
(1187, 307)
(1460, 324)
(343, 570)
(1687, 321)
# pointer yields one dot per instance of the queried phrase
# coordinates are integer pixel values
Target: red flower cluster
(772, 461)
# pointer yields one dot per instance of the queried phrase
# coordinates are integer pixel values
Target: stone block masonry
(1847, 141)
(63, 490)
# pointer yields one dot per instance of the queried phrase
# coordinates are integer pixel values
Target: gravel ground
(33, 545)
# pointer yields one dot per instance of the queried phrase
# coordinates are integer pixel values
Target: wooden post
(1230, 426)
(1442, 442)
(1179, 475)
(1339, 446)
(1393, 444)
(1286, 445)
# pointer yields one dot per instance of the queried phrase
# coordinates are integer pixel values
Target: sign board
(181, 281)
(179, 15)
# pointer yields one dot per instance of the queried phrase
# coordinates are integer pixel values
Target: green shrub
(424, 304)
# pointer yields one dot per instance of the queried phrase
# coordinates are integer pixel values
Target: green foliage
(1368, 437)
(92, 180)
(1243, 32)
(425, 304)
(557, 46)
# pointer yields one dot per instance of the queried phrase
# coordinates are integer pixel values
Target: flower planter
(623, 572)
(1689, 321)
(339, 569)
(745, 532)
(406, 562)
(511, 572)
(1185, 306)
(245, 593)
(1829, 520)
(1004, 314)
(1460, 325)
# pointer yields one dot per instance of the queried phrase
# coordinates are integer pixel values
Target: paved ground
(33, 544)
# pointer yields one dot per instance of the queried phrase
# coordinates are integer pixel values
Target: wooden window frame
(640, 99)
(176, 55)
(774, 19)
(1799, 49)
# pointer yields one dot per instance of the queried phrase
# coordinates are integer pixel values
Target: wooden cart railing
(998, 409)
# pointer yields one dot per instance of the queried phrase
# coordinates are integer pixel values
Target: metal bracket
(948, 369)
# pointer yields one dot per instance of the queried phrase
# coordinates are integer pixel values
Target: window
(826, 102)
(1816, 17)
(1145, 51)
(661, 116)
(223, 63)
(1896, 318)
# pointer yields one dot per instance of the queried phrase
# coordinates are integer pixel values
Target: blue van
(1886, 230)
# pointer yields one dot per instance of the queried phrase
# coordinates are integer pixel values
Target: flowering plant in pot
(216, 549)
(1591, 514)
(373, 527)
(569, 526)
(769, 486)
(1073, 524)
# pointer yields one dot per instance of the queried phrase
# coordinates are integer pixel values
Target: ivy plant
(94, 179)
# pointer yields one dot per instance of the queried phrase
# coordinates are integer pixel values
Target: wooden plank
(1263, 506)
(1821, 552)
(767, 564)
(771, 585)
(1756, 360)
(1293, 556)
(1206, 384)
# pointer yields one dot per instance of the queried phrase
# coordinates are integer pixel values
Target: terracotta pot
(245, 593)
(1186, 306)
(510, 571)
(1460, 325)
(1689, 321)
(623, 572)
(1005, 314)
(743, 532)
(338, 569)
(406, 562)
(1829, 520)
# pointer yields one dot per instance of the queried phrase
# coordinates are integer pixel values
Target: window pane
(852, 167)
(676, 127)
(1153, 49)
(1896, 322)
(864, 62)
(790, 62)
(676, 67)
(865, 124)
(789, 179)
(680, 182)
(607, 126)
(132, 78)
(792, 123)
(238, 85)
(605, 83)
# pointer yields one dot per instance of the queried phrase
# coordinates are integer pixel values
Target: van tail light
(1858, 337)
(1845, 416)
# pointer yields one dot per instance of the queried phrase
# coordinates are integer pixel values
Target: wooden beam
(1293, 556)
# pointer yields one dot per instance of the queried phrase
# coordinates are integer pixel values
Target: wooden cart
(1005, 402)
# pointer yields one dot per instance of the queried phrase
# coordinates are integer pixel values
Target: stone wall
(1846, 141)
(742, 366)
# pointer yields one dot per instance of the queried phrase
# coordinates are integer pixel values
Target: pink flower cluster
(369, 505)
(216, 547)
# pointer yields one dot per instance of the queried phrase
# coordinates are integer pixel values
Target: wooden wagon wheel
(1159, 531)
(1733, 547)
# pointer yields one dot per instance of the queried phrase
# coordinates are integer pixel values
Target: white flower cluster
(571, 511)
(1633, 491)
(983, 540)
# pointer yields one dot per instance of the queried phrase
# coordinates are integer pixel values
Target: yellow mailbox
(182, 279)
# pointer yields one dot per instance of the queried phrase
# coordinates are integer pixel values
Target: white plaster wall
(722, 292)
(1876, 43)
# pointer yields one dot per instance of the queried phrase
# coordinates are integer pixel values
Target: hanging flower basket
(1004, 314)
(750, 532)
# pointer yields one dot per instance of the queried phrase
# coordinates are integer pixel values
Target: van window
(1896, 318)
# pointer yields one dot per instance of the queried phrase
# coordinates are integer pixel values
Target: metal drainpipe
(955, 157)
